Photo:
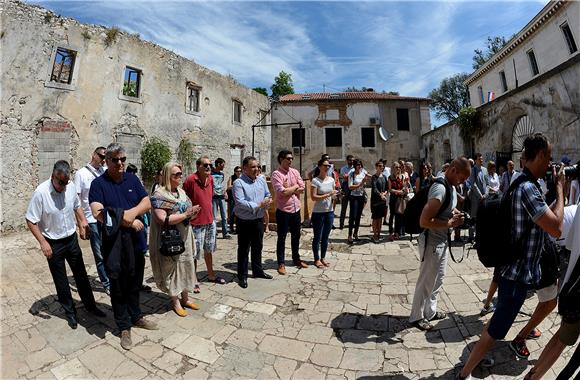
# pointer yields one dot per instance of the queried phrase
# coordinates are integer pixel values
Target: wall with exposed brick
(91, 110)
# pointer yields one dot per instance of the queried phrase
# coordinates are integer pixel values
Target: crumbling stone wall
(92, 110)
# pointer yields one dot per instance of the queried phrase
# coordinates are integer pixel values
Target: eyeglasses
(116, 160)
(177, 175)
(326, 165)
(289, 158)
(237, 171)
(206, 165)
(101, 156)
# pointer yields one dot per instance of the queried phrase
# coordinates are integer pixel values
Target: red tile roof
(362, 95)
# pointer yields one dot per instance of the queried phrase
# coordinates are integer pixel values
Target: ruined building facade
(67, 88)
(368, 125)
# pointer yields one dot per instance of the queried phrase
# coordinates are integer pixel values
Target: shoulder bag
(171, 242)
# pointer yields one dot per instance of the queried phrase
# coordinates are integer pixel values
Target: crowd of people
(110, 206)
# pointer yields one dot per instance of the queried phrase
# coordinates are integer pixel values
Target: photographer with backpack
(437, 216)
(530, 221)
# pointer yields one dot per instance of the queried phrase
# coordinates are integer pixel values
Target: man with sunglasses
(199, 187)
(118, 190)
(288, 185)
(51, 218)
(83, 179)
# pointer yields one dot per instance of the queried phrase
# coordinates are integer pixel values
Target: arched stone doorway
(522, 129)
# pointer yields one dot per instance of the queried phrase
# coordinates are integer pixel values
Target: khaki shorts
(548, 293)
(568, 333)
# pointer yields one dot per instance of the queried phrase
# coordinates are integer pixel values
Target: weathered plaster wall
(552, 104)
(93, 108)
(351, 117)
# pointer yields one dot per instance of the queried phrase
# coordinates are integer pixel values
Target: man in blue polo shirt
(112, 191)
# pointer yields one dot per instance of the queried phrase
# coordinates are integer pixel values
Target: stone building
(67, 87)
(368, 125)
(531, 85)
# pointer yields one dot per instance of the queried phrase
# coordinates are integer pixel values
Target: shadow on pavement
(361, 329)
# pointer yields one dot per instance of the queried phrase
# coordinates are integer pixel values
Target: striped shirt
(528, 205)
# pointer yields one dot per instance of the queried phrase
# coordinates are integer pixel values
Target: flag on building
(490, 96)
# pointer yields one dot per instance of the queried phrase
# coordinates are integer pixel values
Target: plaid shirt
(528, 205)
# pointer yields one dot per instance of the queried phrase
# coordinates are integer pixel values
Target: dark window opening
(298, 138)
(533, 63)
(402, 119)
(569, 38)
(503, 79)
(62, 68)
(237, 111)
(132, 82)
(333, 137)
(368, 137)
(480, 92)
(192, 99)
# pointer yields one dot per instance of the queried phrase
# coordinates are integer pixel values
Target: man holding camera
(532, 220)
(433, 243)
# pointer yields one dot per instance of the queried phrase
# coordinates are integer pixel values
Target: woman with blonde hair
(174, 275)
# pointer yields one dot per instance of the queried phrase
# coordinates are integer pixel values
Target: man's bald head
(461, 163)
(459, 170)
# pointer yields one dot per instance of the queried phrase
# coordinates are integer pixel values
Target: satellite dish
(384, 134)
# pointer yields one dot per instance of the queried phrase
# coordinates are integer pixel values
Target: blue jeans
(510, 298)
(322, 225)
(96, 242)
(221, 203)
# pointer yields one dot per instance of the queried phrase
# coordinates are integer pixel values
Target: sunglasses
(62, 182)
(116, 160)
(101, 156)
(289, 158)
(177, 175)
(206, 165)
(326, 165)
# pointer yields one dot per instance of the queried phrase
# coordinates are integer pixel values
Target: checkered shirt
(528, 205)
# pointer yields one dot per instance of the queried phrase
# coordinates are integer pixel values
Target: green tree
(493, 45)
(451, 96)
(282, 85)
(154, 155)
(261, 90)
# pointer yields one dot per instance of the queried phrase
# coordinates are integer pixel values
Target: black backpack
(493, 229)
(568, 304)
(417, 203)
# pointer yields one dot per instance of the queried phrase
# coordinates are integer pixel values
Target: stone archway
(508, 117)
(522, 129)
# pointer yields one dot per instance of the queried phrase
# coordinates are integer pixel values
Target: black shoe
(97, 312)
(263, 275)
(72, 321)
(145, 288)
(243, 283)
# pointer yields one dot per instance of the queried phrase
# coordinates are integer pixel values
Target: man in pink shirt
(199, 188)
(288, 185)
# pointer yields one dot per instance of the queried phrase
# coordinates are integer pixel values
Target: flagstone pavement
(348, 321)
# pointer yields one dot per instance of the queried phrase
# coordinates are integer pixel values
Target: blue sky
(405, 46)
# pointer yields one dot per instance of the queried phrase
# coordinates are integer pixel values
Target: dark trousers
(285, 222)
(321, 225)
(68, 250)
(231, 215)
(356, 209)
(571, 367)
(125, 294)
(344, 203)
(250, 237)
(392, 201)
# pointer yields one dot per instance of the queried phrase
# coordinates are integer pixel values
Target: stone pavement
(348, 321)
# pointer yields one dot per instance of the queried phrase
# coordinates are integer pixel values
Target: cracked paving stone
(258, 307)
(362, 360)
(288, 348)
(326, 356)
(199, 349)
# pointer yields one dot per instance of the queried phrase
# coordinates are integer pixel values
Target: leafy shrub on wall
(154, 155)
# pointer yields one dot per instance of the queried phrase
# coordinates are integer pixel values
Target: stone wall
(550, 102)
(350, 116)
(42, 121)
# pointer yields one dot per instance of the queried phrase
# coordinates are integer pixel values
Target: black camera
(468, 221)
(554, 168)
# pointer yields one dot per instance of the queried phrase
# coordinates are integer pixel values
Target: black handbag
(549, 264)
(171, 242)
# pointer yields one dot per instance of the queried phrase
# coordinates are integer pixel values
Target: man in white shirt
(51, 218)
(83, 179)
(344, 172)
